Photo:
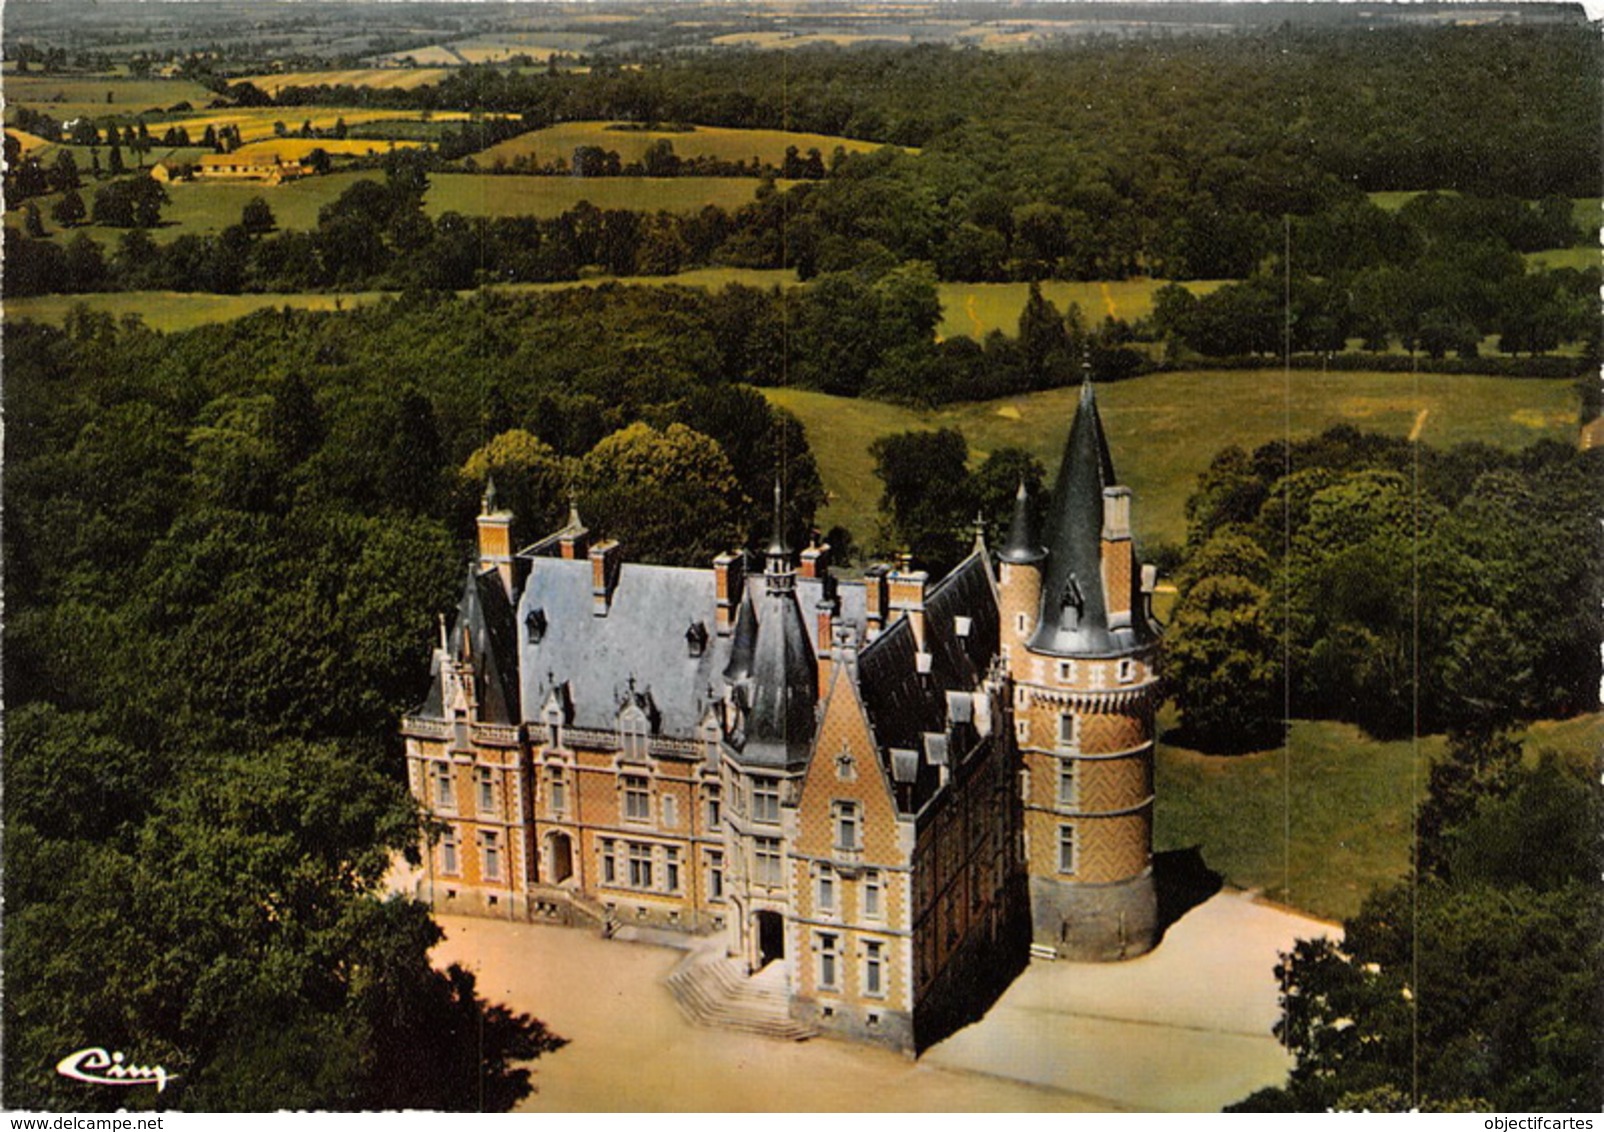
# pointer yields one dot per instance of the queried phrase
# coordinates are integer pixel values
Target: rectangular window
(1066, 848)
(671, 869)
(1069, 731)
(1022, 729)
(827, 889)
(448, 853)
(445, 795)
(846, 826)
(670, 811)
(766, 800)
(715, 816)
(609, 862)
(874, 968)
(829, 960)
(637, 798)
(1127, 671)
(484, 778)
(766, 861)
(557, 789)
(715, 876)
(871, 895)
(1068, 782)
(640, 865)
(491, 843)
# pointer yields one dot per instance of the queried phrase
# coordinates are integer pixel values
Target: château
(874, 799)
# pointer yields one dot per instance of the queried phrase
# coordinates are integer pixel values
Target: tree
(115, 161)
(33, 223)
(927, 506)
(134, 203)
(64, 174)
(531, 479)
(668, 496)
(257, 217)
(1222, 656)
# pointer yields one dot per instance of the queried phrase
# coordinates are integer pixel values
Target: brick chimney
(1119, 562)
(495, 536)
(606, 559)
(906, 595)
(874, 599)
(573, 541)
(729, 576)
(816, 560)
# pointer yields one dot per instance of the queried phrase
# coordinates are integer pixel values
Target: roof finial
(487, 504)
(777, 543)
(573, 511)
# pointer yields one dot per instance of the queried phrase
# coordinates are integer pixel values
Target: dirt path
(1185, 1028)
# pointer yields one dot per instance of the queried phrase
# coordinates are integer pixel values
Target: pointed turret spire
(1022, 547)
(779, 573)
(1074, 608)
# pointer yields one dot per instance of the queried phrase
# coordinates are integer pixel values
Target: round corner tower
(1080, 643)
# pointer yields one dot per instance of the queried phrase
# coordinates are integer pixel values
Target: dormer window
(535, 622)
(696, 639)
(633, 732)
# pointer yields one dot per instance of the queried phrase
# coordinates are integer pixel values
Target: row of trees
(1385, 583)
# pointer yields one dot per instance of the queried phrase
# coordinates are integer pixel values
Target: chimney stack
(606, 559)
(729, 574)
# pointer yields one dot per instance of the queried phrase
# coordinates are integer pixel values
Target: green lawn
(1165, 428)
(976, 309)
(1321, 823)
(1581, 257)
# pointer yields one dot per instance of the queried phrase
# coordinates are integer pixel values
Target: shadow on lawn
(1183, 882)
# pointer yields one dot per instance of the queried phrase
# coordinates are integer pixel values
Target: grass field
(295, 149)
(380, 78)
(1165, 428)
(483, 194)
(1320, 824)
(702, 141)
(257, 122)
(206, 208)
(1579, 258)
(976, 309)
(74, 96)
(175, 310)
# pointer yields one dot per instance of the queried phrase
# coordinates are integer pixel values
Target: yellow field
(382, 78)
(30, 142)
(719, 142)
(431, 56)
(296, 149)
(257, 123)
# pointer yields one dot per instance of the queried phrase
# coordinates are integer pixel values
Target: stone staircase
(713, 990)
(594, 911)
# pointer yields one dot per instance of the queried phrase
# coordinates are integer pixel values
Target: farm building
(265, 167)
(874, 798)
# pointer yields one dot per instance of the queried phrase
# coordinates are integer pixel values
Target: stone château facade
(879, 795)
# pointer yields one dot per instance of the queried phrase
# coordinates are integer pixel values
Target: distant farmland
(699, 141)
(381, 78)
(481, 194)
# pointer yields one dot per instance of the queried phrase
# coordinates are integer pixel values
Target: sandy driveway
(1186, 1027)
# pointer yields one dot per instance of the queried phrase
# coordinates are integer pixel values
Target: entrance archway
(560, 852)
(770, 938)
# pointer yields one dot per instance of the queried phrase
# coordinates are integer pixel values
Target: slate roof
(785, 683)
(485, 617)
(642, 638)
(909, 710)
(1074, 611)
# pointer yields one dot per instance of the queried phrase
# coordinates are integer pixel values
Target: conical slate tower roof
(1022, 548)
(1074, 607)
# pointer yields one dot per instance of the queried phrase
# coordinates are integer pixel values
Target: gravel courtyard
(1184, 1028)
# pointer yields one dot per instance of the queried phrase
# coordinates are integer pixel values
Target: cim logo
(98, 1067)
